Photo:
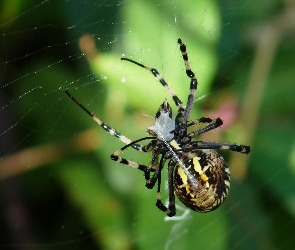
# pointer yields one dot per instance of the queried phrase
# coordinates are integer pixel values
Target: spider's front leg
(155, 72)
(193, 83)
(213, 123)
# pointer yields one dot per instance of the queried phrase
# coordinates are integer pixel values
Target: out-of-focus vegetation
(59, 188)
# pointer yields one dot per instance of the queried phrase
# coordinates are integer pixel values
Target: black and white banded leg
(154, 166)
(107, 128)
(213, 124)
(193, 83)
(217, 145)
(155, 72)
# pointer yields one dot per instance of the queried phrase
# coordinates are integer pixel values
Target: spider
(197, 174)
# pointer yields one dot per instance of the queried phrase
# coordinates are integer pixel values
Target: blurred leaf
(103, 212)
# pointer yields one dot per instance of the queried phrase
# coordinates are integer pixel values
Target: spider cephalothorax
(197, 174)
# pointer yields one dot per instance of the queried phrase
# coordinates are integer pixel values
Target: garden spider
(196, 172)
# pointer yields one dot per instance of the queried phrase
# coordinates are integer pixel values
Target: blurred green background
(59, 188)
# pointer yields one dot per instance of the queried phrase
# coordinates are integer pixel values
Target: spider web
(60, 190)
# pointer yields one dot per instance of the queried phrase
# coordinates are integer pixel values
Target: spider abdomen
(204, 183)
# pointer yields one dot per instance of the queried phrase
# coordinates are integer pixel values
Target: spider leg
(218, 145)
(115, 156)
(193, 83)
(155, 161)
(152, 181)
(170, 210)
(152, 167)
(107, 128)
(213, 123)
(155, 72)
